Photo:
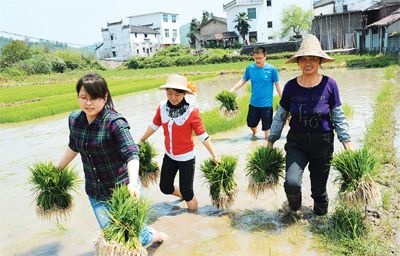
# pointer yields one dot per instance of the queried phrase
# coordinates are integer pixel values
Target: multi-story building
(265, 17)
(120, 42)
(167, 24)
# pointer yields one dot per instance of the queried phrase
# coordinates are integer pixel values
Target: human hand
(347, 145)
(270, 145)
(134, 190)
(216, 159)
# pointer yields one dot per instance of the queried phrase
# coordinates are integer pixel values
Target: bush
(13, 73)
(58, 64)
(37, 64)
(72, 59)
(14, 52)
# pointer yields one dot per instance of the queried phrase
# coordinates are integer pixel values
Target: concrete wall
(213, 27)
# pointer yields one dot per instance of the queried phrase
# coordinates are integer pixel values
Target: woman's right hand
(216, 159)
(270, 145)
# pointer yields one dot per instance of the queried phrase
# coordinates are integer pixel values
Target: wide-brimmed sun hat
(179, 82)
(310, 46)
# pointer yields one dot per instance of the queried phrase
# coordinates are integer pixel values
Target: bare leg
(177, 192)
(254, 130)
(266, 134)
(192, 205)
(158, 236)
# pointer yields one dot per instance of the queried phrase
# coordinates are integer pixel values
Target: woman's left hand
(134, 190)
(347, 145)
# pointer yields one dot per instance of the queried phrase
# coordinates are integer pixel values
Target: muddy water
(249, 227)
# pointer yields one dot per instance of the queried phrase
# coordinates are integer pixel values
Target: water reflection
(249, 227)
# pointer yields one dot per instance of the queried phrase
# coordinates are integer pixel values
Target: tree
(242, 25)
(13, 52)
(192, 34)
(206, 17)
(295, 20)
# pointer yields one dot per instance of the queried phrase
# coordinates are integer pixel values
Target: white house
(120, 42)
(167, 24)
(324, 7)
(265, 17)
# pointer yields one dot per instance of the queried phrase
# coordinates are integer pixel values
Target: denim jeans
(100, 209)
(314, 149)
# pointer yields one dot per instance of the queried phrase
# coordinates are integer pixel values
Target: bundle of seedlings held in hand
(128, 216)
(264, 167)
(221, 180)
(229, 106)
(52, 188)
(357, 169)
(148, 168)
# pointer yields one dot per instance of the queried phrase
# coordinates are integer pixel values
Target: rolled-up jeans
(314, 149)
(100, 209)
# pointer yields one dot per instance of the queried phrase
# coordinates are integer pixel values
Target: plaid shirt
(105, 146)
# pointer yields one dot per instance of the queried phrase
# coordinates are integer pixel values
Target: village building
(167, 24)
(214, 33)
(265, 17)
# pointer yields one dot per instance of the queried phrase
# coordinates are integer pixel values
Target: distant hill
(52, 45)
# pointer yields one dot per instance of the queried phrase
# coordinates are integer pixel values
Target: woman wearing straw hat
(314, 105)
(179, 119)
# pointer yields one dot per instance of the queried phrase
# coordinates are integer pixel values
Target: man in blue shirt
(263, 77)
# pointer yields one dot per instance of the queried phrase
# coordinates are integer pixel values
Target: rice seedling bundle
(229, 106)
(264, 167)
(128, 216)
(149, 171)
(357, 169)
(221, 180)
(52, 188)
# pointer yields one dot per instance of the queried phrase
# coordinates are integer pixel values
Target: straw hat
(177, 82)
(310, 46)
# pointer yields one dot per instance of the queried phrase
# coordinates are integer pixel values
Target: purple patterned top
(310, 107)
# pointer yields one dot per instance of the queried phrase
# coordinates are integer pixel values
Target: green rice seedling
(264, 167)
(348, 111)
(149, 171)
(229, 106)
(52, 188)
(345, 223)
(128, 216)
(221, 180)
(357, 169)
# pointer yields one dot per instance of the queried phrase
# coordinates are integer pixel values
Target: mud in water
(250, 227)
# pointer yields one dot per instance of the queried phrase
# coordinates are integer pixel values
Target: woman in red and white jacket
(179, 119)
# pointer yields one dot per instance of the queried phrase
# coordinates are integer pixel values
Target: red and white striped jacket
(178, 131)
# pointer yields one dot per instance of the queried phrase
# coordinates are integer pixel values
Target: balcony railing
(236, 2)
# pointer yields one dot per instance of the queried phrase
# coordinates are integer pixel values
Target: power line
(26, 37)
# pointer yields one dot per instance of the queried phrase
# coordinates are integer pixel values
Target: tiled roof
(322, 3)
(381, 4)
(219, 36)
(142, 30)
(395, 16)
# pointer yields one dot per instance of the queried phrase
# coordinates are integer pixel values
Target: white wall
(264, 14)
(144, 46)
(324, 10)
(120, 43)
(157, 20)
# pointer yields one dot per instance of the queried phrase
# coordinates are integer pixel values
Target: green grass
(52, 188)
(348, 111)
(264, 168)
(221, 180)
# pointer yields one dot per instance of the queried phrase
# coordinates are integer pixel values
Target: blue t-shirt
(310, 107)
(262, 84)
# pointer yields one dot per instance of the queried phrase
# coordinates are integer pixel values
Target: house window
(175, 33)
(269, 24)
(269, 2)
(253, 36)
(173, 17)
(165, 17)
(112, 37)
(270, 38)
(137, 50)
(151, 49)
(345, 9)
(251, 13)
(166, 32)
(114, 54)
(145, 35)
(135, 35)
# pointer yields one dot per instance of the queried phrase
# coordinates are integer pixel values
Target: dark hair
(96, 87)
(259, 49)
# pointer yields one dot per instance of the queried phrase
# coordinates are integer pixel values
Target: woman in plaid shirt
(179, 120)
(109, 155)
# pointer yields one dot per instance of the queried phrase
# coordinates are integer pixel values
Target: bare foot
(158, 236)
(192, 205)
